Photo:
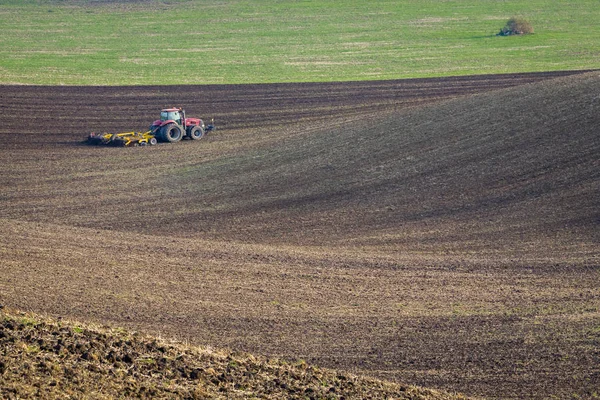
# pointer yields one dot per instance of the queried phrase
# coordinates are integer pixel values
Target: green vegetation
(107, 42)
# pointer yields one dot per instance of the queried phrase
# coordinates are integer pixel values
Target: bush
(516, 26)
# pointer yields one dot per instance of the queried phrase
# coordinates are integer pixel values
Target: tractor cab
(172, 114)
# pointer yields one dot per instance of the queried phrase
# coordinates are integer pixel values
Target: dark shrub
(516, 26)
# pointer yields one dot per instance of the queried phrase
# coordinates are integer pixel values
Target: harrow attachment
(122, 139)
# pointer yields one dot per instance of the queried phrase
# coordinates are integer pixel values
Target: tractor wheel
(171, 133)
(196, 132)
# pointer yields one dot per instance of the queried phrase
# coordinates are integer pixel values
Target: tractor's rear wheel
(196, 132)
(171, 133)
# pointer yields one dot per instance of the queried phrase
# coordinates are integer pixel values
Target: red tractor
(173, 126)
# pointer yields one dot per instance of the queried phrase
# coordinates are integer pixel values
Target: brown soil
(438, 232)
(45, 359)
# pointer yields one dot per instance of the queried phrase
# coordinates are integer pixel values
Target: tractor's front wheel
(171, 133)
(196, 132)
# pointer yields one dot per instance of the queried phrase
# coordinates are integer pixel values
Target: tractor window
(166, 115)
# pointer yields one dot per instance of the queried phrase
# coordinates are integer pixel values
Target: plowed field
(438, 232)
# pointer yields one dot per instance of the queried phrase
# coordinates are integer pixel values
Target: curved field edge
(46, 358)
(216, 42)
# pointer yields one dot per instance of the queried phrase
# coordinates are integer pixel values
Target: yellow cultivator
(123, 139)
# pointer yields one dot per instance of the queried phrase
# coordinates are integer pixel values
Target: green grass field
(108, 42)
